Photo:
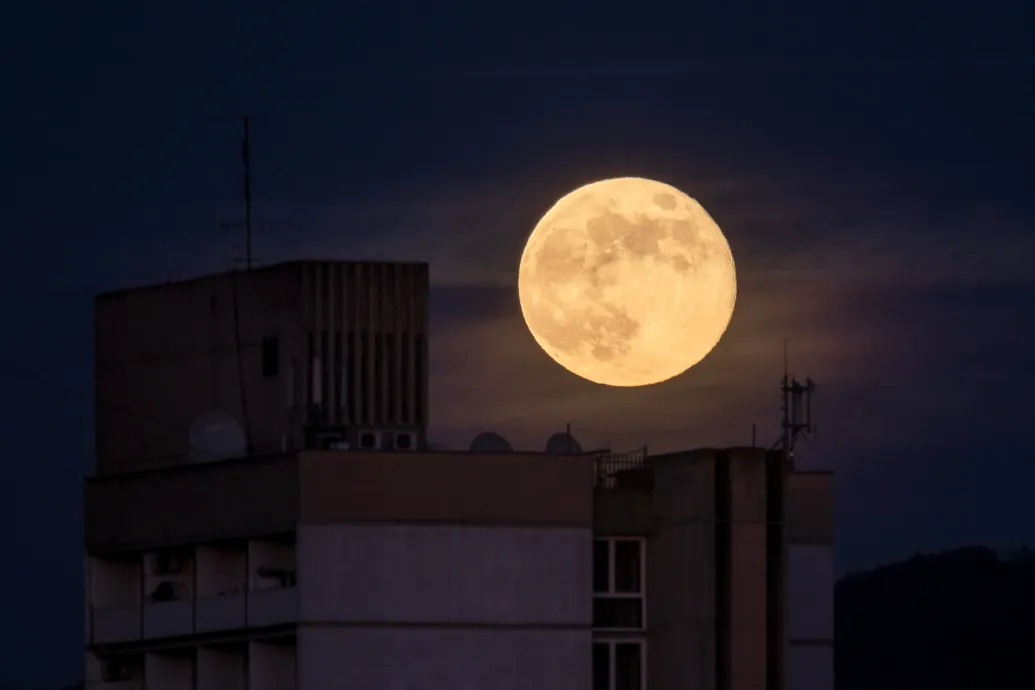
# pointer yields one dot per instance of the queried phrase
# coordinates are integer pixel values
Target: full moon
(627, 282)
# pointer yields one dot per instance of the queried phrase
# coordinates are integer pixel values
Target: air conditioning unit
(167, 564)
(116, 672)
(369, 440)
(405, 440)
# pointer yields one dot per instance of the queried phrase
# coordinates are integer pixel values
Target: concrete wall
(749, 570)
(810, 581)
(717, 563)
(221, 669)
(191, 503)
(167, 354)
(425, 606)
(445, 487)
(434, 659)
(810, 667)
(273, 667)
(169, 671)
(810, 596)
(680, 573)
(810, 508)
(458, 570)
(618, 512)
(445, 575)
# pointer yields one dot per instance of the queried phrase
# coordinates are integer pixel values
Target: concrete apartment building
(342, 553)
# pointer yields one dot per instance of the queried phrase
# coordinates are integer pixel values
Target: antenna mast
(246, 159)
(797, 410)
(235, 225)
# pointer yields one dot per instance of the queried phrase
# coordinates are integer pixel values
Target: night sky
(870, 163)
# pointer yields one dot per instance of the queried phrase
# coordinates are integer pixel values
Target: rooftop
(268, 268)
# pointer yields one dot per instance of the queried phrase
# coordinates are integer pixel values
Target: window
(619, 665)
(601, 565)
(364, 380)
(406, 397)
(420, 353)
(619, 579)
(270, 356)
(393, 378)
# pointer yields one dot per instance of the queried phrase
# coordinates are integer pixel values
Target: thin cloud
(809, 231)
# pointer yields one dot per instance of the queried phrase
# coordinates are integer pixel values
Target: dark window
(364, 380)
(419, 356)
(624, 613)
(407, 385)
(379, 378)
(270, 356)
(393, 377)
(628, 666)
(627, 567)
(601, 667)
(351, 377)
(337, 393)
(601, 566)
(326, 369)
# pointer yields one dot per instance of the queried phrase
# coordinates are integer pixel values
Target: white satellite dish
(563, 442)
(490, 442)
(216, 436)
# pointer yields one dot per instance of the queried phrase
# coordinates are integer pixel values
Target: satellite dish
(216, 436)
(563, 442)
(490, 441)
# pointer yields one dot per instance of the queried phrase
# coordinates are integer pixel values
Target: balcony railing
(156, 620)
(609, 465)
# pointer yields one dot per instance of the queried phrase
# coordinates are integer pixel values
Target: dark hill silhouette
(958, 620)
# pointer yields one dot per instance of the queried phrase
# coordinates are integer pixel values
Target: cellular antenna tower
(797, 410)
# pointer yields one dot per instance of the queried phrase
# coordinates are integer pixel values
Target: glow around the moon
(627, 282)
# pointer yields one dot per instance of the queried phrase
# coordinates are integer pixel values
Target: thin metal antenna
(236, 225)
(246, 158)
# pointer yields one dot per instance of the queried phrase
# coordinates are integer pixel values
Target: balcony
(206, 589)
(258, 665)
(115, 685)
(272, 606)
(225, 612)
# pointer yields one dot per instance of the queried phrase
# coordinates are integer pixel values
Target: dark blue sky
(871, 164)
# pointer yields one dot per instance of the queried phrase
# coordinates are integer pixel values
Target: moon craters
(627, 282)
(665, 201)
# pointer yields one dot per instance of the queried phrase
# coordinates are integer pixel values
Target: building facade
(312, 557)
(302, 354)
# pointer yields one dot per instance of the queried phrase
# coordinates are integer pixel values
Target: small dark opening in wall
(270, 356)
